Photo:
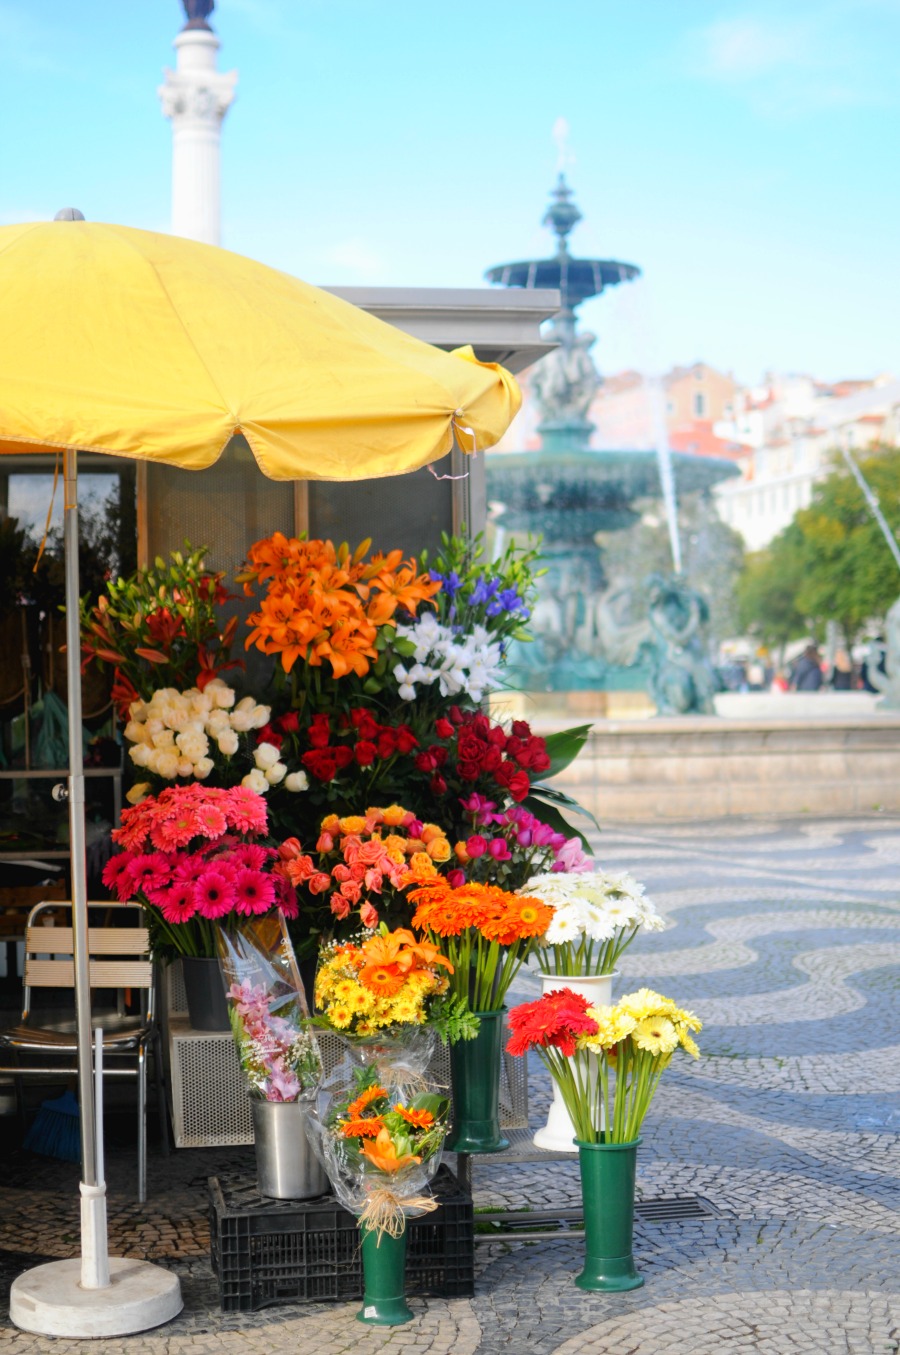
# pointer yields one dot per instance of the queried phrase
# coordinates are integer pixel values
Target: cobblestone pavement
(784, 937)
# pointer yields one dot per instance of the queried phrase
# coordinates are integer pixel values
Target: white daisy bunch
(178, 733)
(596, 916)
(460, 663)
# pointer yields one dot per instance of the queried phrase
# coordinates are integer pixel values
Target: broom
(56, 1129)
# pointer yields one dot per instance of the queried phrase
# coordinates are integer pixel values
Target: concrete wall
(709, 767)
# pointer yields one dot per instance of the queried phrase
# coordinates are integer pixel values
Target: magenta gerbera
(245, 810)
(116, 877)
(213, 894)
(254, 892)
(178, 903)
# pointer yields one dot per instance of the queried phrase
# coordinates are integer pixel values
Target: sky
(743, 154)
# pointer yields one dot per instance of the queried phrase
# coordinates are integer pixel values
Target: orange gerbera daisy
(384, 979)
(365, 1099)
(363, 1129)
(422, 1119)
(531, 917)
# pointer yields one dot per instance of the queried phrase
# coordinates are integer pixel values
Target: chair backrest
(119, 957)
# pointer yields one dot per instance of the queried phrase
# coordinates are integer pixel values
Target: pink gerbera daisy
(170, 834)
(178, 903)
(213, 893)
(287, 897)
(148, 870)
(252, 856)
(254, 892)
(190, 867)
(115, 876)
(245, 810)
(209, 821)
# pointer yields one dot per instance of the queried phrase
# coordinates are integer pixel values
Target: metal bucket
(286, 1166)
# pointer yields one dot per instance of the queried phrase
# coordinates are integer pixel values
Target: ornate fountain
(593, 630)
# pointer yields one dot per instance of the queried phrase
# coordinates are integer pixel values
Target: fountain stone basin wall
(712, 767)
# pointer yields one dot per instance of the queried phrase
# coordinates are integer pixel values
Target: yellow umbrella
(154, 347)
(150, 346)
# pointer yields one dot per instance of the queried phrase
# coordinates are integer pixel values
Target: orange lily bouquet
(328, 606)
(390, 981)
(381, 1143)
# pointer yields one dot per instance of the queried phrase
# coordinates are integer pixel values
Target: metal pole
(77, 834)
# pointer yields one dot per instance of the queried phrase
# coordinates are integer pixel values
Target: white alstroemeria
(467, 664)
(296, 781)
(256, 780)
(405, 689)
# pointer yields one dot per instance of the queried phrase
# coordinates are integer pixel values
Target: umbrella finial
(69, 214)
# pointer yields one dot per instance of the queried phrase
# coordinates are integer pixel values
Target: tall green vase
(475, 1068)
(384, 1279)
(607, 1191)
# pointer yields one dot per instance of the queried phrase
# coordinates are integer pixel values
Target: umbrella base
(50, 1301)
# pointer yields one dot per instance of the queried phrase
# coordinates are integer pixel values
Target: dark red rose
(439, 754)
(497, 736)
(406, 739)
(320, 731)
(438, 785)
(443, 729)
(468, 771)
(387, 743)
(321, 763)
(521, 729)
(289, 723)
(469, 749)
(425, 762)
(456, 715)
(519, 785)
(269, 734)
(481, 725)
(365, 753)
(343, 757)
(368, 727)
(514, 747)
(491, 759)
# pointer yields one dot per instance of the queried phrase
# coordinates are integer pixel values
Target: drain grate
(674, 1209)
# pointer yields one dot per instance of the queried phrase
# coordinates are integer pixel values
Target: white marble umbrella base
(50, 1300)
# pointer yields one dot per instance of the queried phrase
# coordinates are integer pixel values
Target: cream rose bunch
(177, 734)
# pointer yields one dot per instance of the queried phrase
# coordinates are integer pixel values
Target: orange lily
(383, 1155)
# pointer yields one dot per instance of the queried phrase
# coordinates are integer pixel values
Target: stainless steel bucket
(286, 1166)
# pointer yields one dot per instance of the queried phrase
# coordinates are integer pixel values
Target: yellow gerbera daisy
(656, 1035)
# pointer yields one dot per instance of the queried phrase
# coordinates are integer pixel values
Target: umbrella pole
(94, 1248)
(91, 1297)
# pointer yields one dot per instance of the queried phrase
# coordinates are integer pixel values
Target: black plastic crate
(268, 1252)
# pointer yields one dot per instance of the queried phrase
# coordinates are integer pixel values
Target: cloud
(356, 257)
(790, 65)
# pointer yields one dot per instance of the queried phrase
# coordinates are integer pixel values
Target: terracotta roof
(698, 437)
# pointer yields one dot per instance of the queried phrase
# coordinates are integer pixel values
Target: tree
(831, 563)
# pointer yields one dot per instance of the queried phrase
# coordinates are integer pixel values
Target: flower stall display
(381, 1140)
(196, 856)
(487, 935)
(596, 916)
(278, 1052)
(633, 1043)
(160, 627)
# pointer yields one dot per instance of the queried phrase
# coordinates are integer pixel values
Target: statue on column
(198, 11)
(565, 382)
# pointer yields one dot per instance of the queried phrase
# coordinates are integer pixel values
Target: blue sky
(743, 154)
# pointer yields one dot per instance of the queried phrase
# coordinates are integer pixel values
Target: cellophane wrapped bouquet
(267, 1008)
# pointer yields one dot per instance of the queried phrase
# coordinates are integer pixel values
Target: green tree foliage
(832, 562)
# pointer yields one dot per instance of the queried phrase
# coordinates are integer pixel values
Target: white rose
(256, 780)
(193, 745)
(135, 732)
(296, 781)
(139, 791)
(266, 756)
(141, 754)
(154, 726)
(185, 767)
(166, 766)
(260, 717)
(276, 773)
(202, 768)
(138, 710)
(246, 704)
(240, 720)
(228, 742)
(216, 722)
(223, 696)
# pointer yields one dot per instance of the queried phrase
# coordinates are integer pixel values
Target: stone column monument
(196, 97)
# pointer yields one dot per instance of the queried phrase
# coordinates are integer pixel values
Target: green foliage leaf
(564, 746)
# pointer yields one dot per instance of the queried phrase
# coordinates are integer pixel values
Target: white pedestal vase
(558, 1134)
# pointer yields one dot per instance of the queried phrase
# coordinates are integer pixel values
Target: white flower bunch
(596, 916)
(271, 771)
(470, 664)
(173, 733)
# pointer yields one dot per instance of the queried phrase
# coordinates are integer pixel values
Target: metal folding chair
(120, 961)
